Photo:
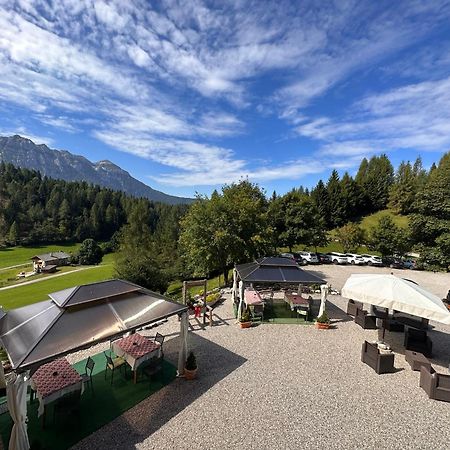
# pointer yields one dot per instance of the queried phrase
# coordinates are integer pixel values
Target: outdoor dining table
(136, 349)
(54, 380)
(252, 298)
(297, 301)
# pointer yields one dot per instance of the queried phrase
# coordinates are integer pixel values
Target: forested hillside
(36, 209)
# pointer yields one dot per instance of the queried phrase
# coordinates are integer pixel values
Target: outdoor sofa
(364, 320)
(352, 306)
(418, 341)
(436, 385)
(380, 362)
(411, 321)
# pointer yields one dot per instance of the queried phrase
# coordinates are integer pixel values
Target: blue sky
(188, 95)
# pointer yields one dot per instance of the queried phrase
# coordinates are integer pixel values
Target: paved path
(17, 265)
(49, 278)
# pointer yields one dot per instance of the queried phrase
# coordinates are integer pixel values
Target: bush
(212, 297)
(191, 362)
(323, 318)
(245, 317)
(89, 253)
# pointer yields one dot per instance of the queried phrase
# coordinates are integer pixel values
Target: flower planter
(190, 374)
(322, 326)
(245, 324)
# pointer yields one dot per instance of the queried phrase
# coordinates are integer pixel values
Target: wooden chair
(112, 364)
(87, 375)
(160, 339)
(256, 315)
(152, 367)
(68, 407)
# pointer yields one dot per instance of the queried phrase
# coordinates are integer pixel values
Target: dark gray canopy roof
(275, 270)
(78, 318)
(52, 256)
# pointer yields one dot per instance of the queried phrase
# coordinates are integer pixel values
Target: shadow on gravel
(215, 363)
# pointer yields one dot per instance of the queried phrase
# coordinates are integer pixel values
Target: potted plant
(190, 368)
(245, 321)
(323, 321)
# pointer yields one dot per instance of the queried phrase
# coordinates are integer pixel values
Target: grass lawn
(372, 220)
(36, 292)
(107, 403)
(11, 256)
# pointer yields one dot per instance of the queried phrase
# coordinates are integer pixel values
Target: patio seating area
(97, 407)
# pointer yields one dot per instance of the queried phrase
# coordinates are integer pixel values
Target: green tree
(375, 178)
(228, 228)
(89, 253)
(13, 234)
(389, 239)
(351, 236)
(430, 224)
(336, 202)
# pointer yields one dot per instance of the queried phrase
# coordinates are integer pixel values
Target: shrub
(323, 318)
(191, 362)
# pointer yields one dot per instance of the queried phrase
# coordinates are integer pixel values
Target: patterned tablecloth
(295, 300)
(136, 349)
(252, 297)
(53, 380)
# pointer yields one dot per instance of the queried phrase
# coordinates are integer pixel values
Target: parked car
(309, 257)
(393, 263)
(324, 258)
(295, 256)
(338, 258)
(355, 259)
(372, 260)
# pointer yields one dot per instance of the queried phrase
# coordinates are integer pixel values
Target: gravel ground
(288, 386)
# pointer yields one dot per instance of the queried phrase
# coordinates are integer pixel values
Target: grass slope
(372, 220)
(12, 256)
(36, 292)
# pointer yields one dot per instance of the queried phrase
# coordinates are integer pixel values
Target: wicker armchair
(380, 362)
(418, 341)
(352, 306)
(365, 321)
(436, 385)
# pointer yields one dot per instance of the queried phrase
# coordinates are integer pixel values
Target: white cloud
(415, 116)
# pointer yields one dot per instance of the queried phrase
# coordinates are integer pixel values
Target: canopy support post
(182, 354)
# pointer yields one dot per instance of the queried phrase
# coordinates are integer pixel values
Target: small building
(48, 262)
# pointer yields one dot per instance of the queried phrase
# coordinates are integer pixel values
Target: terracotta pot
(190, 374)
(322, 326)
(245, 324)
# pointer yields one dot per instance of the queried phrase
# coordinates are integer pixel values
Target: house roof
(52, 256)
(275, 270)
(78, 318)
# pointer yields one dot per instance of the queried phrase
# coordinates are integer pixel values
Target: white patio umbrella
(182, 355)
(323, 298)
(389, 291)
(16, 393)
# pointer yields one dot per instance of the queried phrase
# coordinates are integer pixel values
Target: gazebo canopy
(275, 270)
(78, 318)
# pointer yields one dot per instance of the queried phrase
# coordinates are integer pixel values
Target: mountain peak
(62, 164)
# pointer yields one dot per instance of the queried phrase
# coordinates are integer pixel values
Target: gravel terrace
(289, 387)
